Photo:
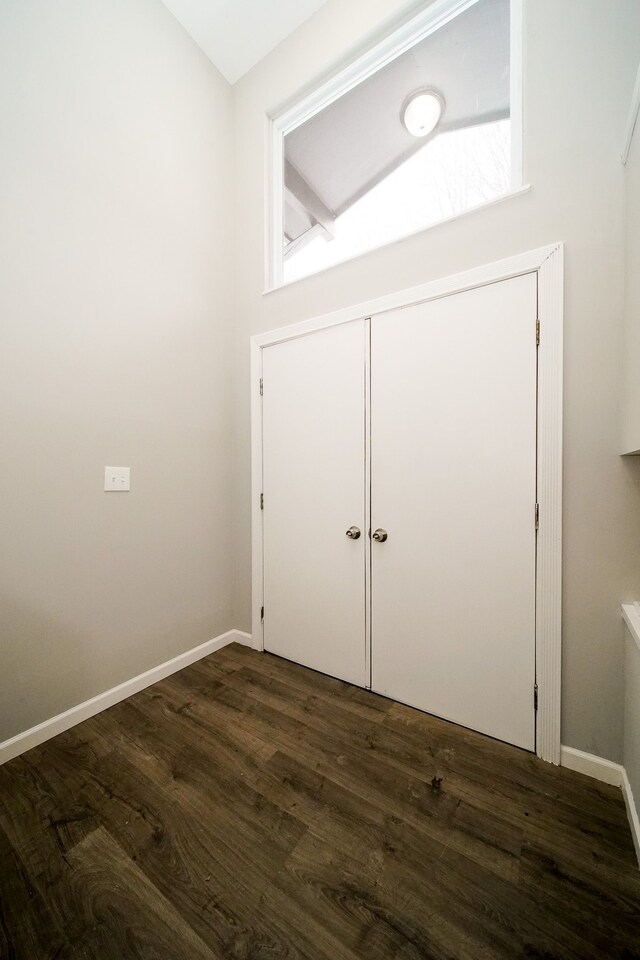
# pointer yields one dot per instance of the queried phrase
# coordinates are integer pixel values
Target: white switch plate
(117, 478)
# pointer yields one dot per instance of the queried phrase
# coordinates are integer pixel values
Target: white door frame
(547, 262)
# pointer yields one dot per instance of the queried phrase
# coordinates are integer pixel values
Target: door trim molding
(547, 262)
(549, 546)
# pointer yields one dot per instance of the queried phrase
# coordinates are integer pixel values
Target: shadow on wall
(631, 468)
(44, 663)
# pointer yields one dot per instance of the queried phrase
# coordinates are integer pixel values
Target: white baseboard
(632, 811)
(588, 763)
(63, 721)
(607, 772)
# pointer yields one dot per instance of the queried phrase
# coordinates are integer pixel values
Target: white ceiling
(236, 34)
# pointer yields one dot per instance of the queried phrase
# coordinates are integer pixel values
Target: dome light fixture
(422, 111)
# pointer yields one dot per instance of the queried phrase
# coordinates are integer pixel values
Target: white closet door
(453, 448)
(313, 411)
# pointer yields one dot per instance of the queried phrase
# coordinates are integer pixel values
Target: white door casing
(547, 264)
(314, 491)
(453, 450)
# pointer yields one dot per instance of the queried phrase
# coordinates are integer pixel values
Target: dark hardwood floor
(248, 808)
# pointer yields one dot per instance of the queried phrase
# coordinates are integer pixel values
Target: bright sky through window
(450, 174)
(427, 135)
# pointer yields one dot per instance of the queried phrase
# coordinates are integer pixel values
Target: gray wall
(631, 392)
(580, 61)
(115, 307)
(631, 442)
(631, 753)
(121, 341)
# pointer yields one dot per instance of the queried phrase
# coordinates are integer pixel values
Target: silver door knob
(353, 533)
(380, 535)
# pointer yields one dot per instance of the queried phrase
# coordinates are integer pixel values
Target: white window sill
(432, 226)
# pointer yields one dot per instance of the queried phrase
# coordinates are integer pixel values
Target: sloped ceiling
(236, 34)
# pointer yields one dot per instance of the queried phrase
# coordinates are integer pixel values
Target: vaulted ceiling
(236, 34)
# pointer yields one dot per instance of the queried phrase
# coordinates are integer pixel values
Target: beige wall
(631, 751)
(631, 442)
(120, 341)
(631, 395)
(115, 313)
(580, 60)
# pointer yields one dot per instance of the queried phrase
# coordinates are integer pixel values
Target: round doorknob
(353, 533)
(380, 535)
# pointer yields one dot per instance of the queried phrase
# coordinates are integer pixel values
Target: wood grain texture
(248, 808)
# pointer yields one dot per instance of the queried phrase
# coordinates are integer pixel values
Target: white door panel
(314, 491)
(453, 447)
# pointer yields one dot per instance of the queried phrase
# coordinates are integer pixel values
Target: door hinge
(537, 515)
(535, 696)
(262, 501)
(262, 614)
(537, 337)
(261, 386)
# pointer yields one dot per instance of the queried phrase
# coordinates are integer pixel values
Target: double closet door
(399, 478)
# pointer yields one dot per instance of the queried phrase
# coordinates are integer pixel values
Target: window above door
(423, 128)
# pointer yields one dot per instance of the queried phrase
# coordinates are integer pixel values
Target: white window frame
(398, 42)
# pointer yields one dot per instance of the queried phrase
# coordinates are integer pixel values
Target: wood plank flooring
(248, 808)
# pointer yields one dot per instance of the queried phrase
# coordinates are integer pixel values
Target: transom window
(423, 128)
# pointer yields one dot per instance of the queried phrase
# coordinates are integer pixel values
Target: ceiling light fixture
(422, 111)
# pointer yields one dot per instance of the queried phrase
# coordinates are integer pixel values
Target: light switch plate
(117, 478)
